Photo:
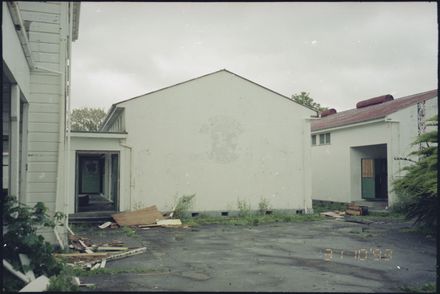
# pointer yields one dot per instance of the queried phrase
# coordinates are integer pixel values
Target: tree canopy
(304, 98)
(417, 190)
(87, 119)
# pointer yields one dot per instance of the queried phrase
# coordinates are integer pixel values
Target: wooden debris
(331, 214)
(105, 225)
(354, 209)
(103, 262)
(25, 262)
(40, 284)
(76, 281)
(105, 248)
(144, 216)
(169, 222)
(96, 266)
(76, 257)
(148, 226)
(353, 212)
(16, 273)
(126, 254)
(86, 248)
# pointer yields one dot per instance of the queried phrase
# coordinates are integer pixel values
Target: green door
(90, 176)
(368, 178)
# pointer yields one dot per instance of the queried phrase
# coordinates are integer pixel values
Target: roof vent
(328, 112)
(374, 101)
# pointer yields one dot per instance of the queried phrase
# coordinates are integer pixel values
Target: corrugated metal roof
(372, 112)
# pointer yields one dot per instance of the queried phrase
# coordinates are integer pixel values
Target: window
(327, 138)
(313, 139)
(324, 139)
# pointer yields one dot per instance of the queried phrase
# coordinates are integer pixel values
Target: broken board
(331, 214)
(169, 222)
(40, 284)
(145, 216)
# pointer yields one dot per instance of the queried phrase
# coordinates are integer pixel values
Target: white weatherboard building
(355, 153)
(36, 43)
(220, 136)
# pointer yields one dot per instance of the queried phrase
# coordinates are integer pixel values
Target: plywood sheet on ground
(145, 216)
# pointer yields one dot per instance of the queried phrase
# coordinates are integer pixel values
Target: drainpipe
(21, 30)
(131, 170)
(68, 122)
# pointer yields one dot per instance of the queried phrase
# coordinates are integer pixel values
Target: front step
(91, 217)
(374, 206)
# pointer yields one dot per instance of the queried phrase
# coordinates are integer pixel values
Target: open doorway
(97, 181)
(374, 178)
(369, 172)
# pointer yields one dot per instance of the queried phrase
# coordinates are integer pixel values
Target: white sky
(339, 52)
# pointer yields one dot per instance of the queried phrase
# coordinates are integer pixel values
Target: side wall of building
(223, 139)
(336, 169)
(335, 172)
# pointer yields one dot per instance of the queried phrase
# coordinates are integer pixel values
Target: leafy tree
(417, 190)
(304, 98)
(87, 119)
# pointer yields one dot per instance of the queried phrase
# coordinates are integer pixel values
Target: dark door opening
(374, 179)
(97, 181)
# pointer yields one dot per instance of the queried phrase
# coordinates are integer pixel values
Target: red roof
(377, 111)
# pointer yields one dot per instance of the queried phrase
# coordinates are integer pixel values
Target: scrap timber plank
(145, 216)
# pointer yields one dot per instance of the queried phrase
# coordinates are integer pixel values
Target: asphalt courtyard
(327, 255)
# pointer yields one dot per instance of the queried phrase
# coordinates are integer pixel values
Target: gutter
(349, 126)
(21, 31)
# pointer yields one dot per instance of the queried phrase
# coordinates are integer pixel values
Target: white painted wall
(44, 92)
(336, 167)
(13, 55)
(101, 142)
(222, 138)
(333, 176)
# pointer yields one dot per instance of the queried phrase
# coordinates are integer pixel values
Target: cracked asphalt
(327, 255)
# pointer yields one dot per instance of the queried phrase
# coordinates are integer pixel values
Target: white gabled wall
(222, 138)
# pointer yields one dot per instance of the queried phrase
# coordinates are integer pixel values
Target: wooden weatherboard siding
(47, 29)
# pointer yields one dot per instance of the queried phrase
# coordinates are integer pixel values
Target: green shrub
(263, 206)
(244, 208)
(183, 205)
(417, 190)
(21, 236)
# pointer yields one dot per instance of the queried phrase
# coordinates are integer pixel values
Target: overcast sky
(339, 52)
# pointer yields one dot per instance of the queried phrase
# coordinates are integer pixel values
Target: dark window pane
(327, 138)
(321, 139)
(314, 140)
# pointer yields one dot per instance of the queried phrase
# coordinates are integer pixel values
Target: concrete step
(91, 217)
(374, 205)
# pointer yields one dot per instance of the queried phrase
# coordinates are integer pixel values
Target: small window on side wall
(327, 138)
(313, 140)
(321, 139)
(324, 139)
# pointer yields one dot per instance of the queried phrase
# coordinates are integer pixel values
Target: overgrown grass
(327, 206)
(130, 232)
(425, 288)
(251, 219)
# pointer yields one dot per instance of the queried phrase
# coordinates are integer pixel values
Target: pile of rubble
(143, 218)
